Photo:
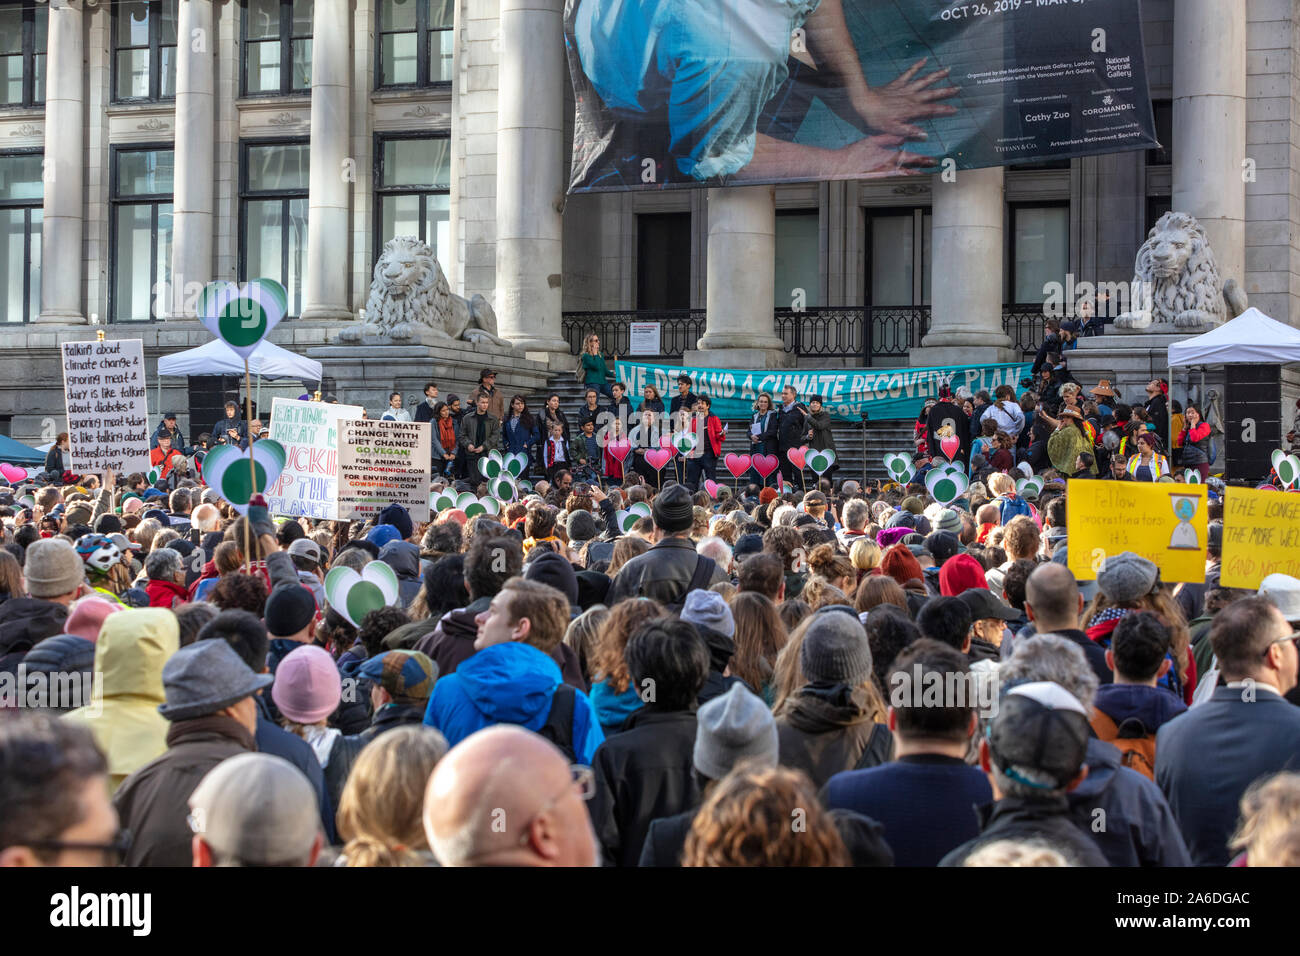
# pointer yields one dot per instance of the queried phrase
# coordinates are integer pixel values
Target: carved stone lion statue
(411, 300)
(1177, 285)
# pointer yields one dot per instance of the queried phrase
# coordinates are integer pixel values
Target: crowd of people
(632, 672)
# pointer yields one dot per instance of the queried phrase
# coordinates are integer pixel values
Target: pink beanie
(307, 688)
(88, 616)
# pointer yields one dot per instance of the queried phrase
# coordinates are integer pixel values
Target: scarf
(530, 542)
(447, 433)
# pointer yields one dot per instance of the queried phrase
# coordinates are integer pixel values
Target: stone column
(531, 175)
(325, 292)
(193, 219)
(966, 297)
(1210, 125)
(741, 262)
(65, 117)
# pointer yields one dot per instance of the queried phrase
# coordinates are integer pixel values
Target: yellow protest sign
(1261, 536)
(1162, 522)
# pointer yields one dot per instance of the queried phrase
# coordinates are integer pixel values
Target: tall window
(22, 53)
(415, 42)
(277, 46)
(144, 50)
(898, 257)
(1163, 111)
(663, 267)
(20, 236)
(273, 215)
(798, 269)
(1040, 250)
(141, 252)
(413, 195)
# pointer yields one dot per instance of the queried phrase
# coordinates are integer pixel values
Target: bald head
(1052, 598)
(506, 797)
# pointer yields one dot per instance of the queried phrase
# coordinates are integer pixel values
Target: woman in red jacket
(1196, 442)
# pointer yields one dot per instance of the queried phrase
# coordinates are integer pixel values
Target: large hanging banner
(1162, 522)
(108, 417)
(881, 394)
(1261, 536)
(383, 463)
(763, 91)
(308, 485)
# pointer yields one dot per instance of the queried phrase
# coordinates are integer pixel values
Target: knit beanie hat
(899, 564)
(79, 513)
(555, 570)
(948, 520)
(732, 727)
(398, 517)
(901, 519)
(913, 504)
(708, 609)
(673, 511)
(88, 616)
(108, 524)
(835, 650)
(52, 567)
(581, 526)
(288, 611)
(961, 573)
(943, 545)
(307, 686)
(381, 534)
(887, 536)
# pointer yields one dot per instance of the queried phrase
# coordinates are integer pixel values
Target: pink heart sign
(620, 448)
(658, 457)
(797, 456)
(737, 465)
(950, 445)
(766, 464)
(12, 473)
(711, 487)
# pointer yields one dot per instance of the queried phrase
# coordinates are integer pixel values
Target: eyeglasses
(114, 851)
(583, 777)
(1293, 636)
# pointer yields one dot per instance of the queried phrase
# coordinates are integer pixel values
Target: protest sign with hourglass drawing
(1184, 537)
(1165, 526)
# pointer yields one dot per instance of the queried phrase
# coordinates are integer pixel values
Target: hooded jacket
(404, 558)
(63, 654)
(509, 683)
(825, 729)
(1153, 706)
(643, 773)
(123, 713)
(1140, 828)
(452, 640)
(166, 594)
(24, 623)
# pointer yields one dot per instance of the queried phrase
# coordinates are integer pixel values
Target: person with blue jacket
(520, 432)
(512, 678)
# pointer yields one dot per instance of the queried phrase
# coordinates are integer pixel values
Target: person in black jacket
(708, 611)
(791, 429)
(734, 727)
(425, 410)
(1157, 408)
(646, 771)
(591, 410)
(230, 430)
(762, 436)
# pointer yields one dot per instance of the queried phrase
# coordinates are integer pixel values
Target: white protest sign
(383, 463)
(644, 338)
(108, 416)
(308, 485)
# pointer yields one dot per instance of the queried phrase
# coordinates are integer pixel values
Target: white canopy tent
(1250, 338)
(217, 358)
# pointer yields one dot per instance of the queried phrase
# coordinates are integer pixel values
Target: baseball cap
(984, 606)
(256, 808)
(1041, 727)
(123, 542)
(167, 416)
(305, 548)
(403, 673)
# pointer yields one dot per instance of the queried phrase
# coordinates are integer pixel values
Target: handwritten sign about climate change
(383, 463)
(108, 415)
(308, 485)
(1162, 522)
(1261, 536)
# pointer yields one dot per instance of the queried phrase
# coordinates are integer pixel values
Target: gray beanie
(948, 520)
(673, 510)
(581, 526)
(732, 727)
(52, 567)
(835, 649)
(1127, 577)
(709, 609)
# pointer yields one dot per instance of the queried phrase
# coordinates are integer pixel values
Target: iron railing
(871, 335)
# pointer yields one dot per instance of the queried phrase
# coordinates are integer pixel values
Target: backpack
(699, 581)
(558, 728)
(1137, 748)
(1012, 506)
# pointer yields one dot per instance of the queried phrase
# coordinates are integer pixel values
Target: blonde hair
(865, 555)
(1015, 853)
(380, 810)
(1270, 813)
(1001, 483)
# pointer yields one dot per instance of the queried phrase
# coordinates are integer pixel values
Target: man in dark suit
(1209, 756)
(791, 432)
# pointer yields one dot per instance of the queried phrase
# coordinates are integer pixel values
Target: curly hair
(377, 625)
(626, 616)
(748, 821)
(240, 592)
(785, 542)
(380, 809)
